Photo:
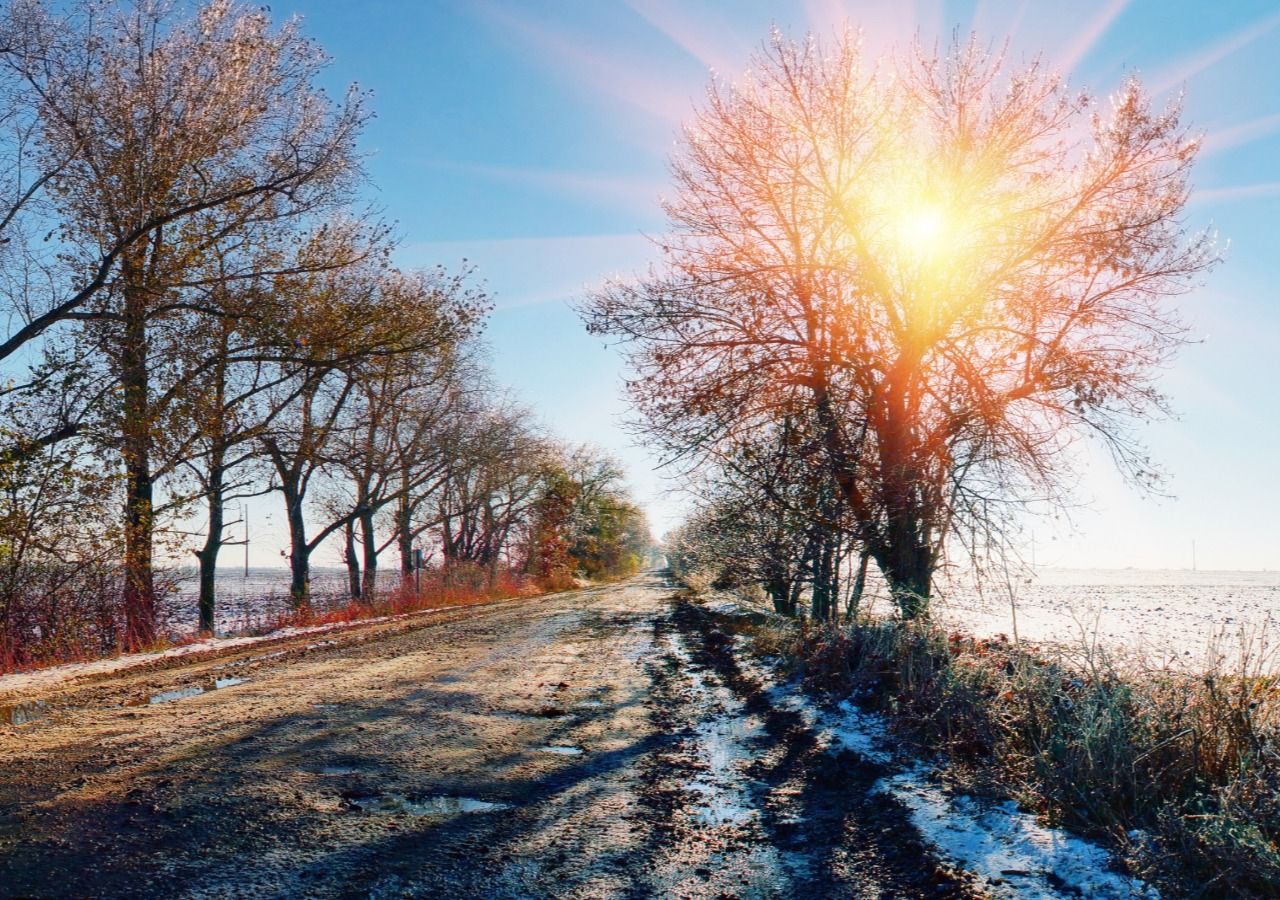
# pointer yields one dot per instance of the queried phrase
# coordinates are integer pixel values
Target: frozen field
(245, 602)
(1178, 617)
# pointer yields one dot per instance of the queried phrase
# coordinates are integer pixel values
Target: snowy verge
(1006, 848)
(41, 679)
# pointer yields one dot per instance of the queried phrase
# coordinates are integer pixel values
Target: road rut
(598, 743)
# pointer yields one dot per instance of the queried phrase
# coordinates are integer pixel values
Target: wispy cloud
(633, 195)
(1237, 192)
(1223, 139)
(524, 271)
(1190, 66)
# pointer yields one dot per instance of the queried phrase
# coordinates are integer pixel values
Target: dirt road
(598, 743)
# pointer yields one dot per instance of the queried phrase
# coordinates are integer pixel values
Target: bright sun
(921, 228)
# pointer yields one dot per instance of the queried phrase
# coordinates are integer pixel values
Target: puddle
(220, 683)
(22, 713)
(424, 806)
(179, 694)
(561, 751)
(590, 704)
(338, 771)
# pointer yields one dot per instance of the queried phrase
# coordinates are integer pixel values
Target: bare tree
(163, 137)
(364, 328)
(953, 270)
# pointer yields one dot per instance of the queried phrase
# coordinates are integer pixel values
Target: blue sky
(531, 139)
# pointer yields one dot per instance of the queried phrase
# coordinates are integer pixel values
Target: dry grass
(1180, 772)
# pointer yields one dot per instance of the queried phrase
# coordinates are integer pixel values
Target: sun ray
(1088, 36)
(988, 22)
(698, 39)
(596, 68)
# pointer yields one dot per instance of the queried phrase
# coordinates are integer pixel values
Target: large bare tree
(953, 269)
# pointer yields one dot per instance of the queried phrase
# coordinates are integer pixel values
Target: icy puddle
(193, 690)
(425, 806)
(22, 713)
(561, 750)
(338, 771)
(179, 694)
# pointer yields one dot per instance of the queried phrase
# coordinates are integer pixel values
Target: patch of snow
(176, 694)
(1015, 854)
(561, 751)
(723, 743)
(40, 679)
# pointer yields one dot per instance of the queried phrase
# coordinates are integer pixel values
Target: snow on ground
(1008, 849)
(1015, 854)
(723, 742)
(1179, 618)
(20, 683)
(24, 682)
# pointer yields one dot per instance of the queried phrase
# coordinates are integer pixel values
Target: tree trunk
(299, 552)
(208, 554)
(353, 563)
(907, 563)
(404, 538)
(368, 541)
(821, 600)
(859, 584)
(135, 433)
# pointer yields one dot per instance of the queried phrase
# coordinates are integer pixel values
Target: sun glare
(921, 228)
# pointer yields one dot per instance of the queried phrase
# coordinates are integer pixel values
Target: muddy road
(600, 743)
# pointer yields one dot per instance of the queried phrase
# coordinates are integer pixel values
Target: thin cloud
(634, 195)
(1238, 192)
(1221, 140)
(526, 271)
(1187, 68)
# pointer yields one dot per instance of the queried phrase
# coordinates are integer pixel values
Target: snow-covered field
(260, 597)
(1176, 617)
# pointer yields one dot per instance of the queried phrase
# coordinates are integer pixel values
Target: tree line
(200, 310)
(892, 297)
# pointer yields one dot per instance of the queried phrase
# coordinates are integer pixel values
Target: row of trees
(199, 311)
(892, 297)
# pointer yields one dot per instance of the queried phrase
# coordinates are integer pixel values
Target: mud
(434, 759)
